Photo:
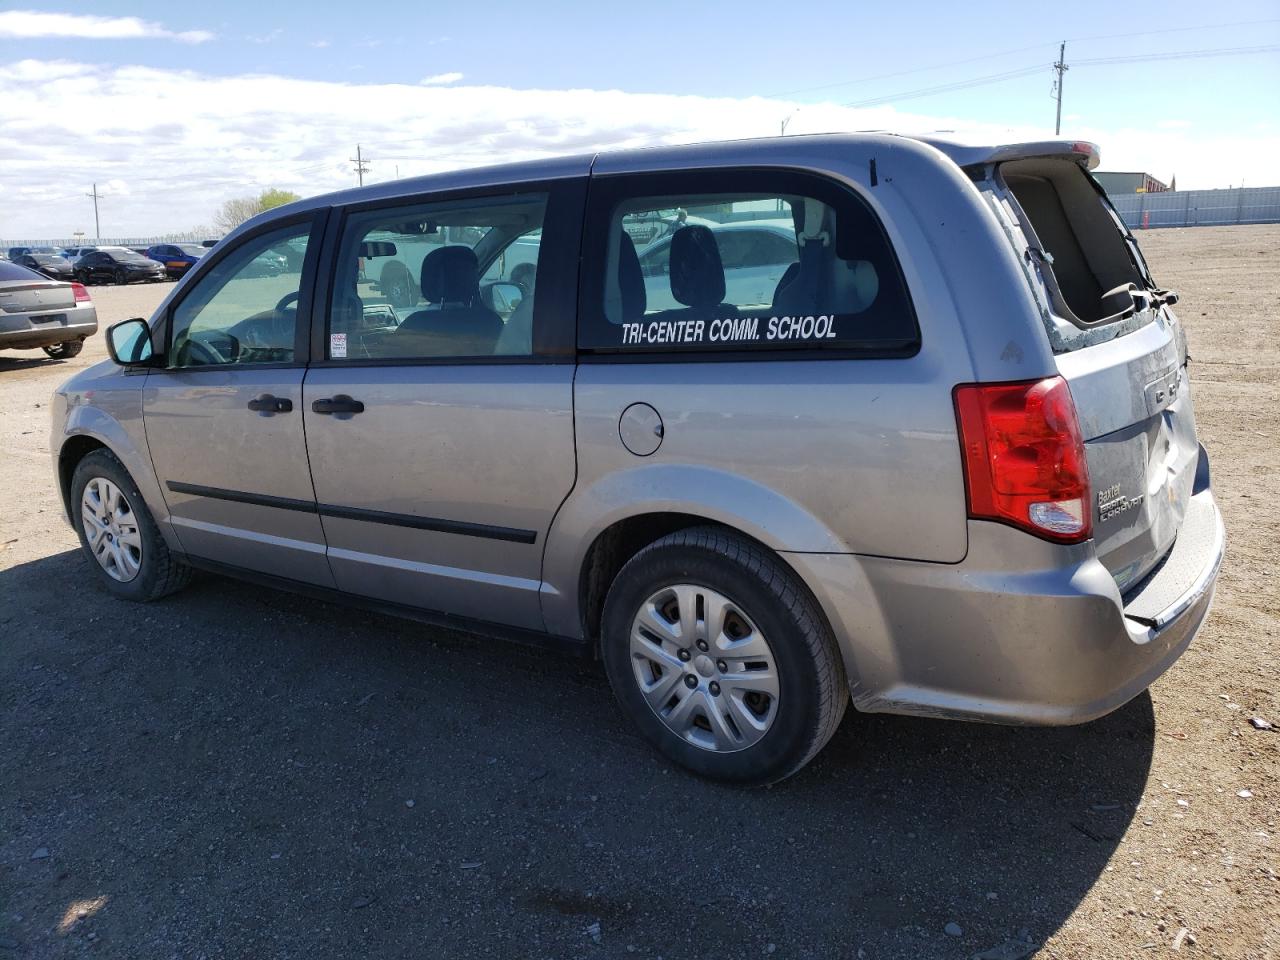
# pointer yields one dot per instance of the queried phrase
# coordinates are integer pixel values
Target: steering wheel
(201, 352)
(285, 301)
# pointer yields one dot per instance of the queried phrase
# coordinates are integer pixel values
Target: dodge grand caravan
(945, 465)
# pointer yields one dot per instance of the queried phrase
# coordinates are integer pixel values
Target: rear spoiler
(1080, 151)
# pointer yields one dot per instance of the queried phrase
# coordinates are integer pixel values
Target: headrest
(697, 274)
(451, 275)
(630, 280)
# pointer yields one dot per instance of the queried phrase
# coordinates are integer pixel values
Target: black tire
(813, 693)
(160, 573)
(121, 277)
(82, 277)
(65, 350)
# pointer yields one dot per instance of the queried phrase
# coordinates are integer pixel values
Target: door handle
(268, 404)
(338, 403)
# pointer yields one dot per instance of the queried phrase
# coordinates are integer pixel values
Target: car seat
(456, 324)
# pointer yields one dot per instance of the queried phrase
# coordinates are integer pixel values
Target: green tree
(276, 198)
(237, 210)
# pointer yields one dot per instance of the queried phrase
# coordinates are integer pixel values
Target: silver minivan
(769, 427)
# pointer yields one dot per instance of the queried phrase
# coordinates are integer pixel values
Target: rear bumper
(25, 331)
(1021, 631)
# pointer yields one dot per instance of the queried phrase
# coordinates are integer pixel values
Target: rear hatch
(36, 296)
(1121, 350)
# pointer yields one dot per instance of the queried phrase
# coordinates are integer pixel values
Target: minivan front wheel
(119, 535)
(722, 658)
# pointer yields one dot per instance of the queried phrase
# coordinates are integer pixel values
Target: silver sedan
(35, 312)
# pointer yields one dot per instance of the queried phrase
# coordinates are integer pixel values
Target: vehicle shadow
(30, 362)
(244, 771)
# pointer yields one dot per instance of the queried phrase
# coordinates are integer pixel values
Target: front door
(441, 433)
(224, 419)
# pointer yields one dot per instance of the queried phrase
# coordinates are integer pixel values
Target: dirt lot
(240, 773)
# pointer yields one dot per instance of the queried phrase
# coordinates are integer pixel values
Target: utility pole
(97, 230)
(1061, 67)
(362, 165)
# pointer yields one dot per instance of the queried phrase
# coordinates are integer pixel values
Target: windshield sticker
(337, 346)
(729, 330)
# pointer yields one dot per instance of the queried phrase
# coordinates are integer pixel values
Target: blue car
(177, 258)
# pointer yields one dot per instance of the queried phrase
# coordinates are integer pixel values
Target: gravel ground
(236, 772)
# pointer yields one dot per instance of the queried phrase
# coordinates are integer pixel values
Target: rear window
(1089, 266)
(11, 271)
(730, 262)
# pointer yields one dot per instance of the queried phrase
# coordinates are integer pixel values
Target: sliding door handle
(268, 404)
(338, 403)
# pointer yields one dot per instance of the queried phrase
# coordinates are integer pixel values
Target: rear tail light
(82, 295)
(1024, 457)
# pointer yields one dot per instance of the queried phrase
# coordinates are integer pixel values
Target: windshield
(46, 258)
(192, 249)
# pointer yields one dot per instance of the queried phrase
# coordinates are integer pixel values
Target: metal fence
(145, 241)
(1199, 208)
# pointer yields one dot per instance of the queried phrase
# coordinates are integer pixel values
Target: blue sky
(238, 87)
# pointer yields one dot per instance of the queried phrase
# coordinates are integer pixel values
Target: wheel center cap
(704, 665)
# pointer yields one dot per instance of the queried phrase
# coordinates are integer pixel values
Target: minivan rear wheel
(722, 658)
(119, 536)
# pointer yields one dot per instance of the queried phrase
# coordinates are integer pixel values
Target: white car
(756, 254)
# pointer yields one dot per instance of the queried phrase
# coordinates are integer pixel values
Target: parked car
(16, 252)
(948, 467)
(760, 252)
(75, 253)
(117, 265)
(208, 243)
(51, 265)
(38, 312)
(177, 258)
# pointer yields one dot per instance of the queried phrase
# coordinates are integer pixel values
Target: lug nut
(702, 645)
(683, 655)
(691, 681)
(714, 688)
(722, 666)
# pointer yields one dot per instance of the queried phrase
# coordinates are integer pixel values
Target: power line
(1025, 71)
(1183, 55)
(947, 87)
(1151, 33)
(1010, 52)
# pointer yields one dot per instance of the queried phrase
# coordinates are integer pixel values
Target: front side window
(244, 310)
(453, 279)
(786, 262)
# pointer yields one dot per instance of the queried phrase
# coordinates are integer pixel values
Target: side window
(453, 279)
(745, 261)
(244, 310)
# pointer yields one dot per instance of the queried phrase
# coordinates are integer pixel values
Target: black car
(50, 264)
(117, 265)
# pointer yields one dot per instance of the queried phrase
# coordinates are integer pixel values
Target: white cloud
(440, 79)
(32, 24)
(320, 44)
(174, 144)
(271, 37)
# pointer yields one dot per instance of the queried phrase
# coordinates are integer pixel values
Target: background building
(1116, 183)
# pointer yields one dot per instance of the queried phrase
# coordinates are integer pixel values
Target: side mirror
(129, 343)
(503, 296)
